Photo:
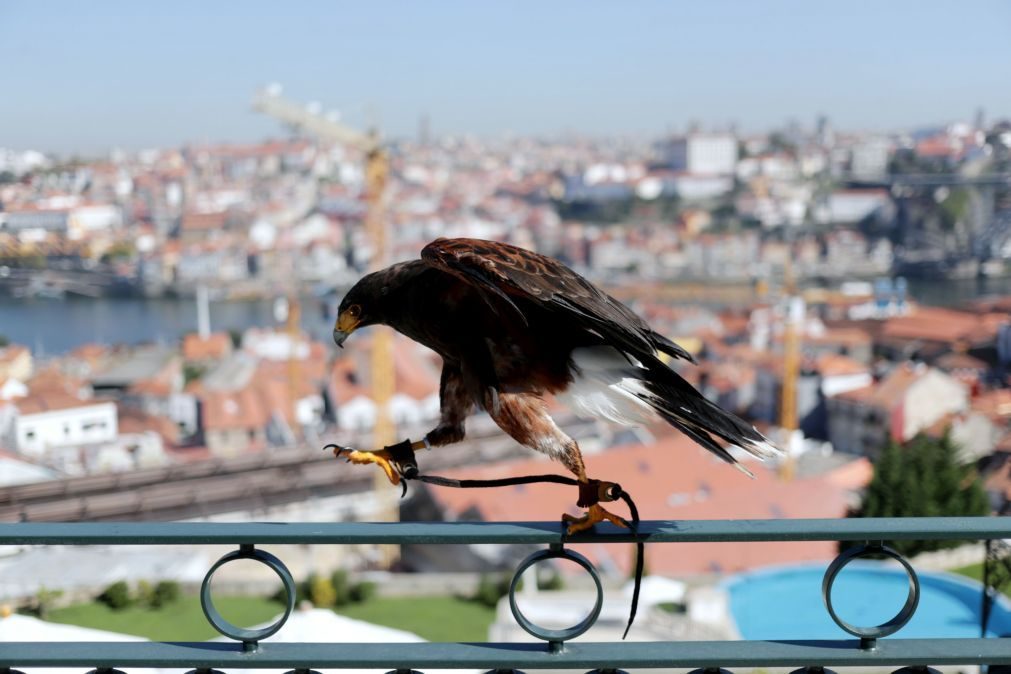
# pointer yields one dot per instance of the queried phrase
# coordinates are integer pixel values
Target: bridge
(54, 282)
(937, 180)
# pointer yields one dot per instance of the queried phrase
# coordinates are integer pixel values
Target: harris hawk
(512, 326)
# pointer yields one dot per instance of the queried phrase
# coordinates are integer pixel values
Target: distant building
(910, 400)
(15, 363)
(34, 224)
(870, 159)
(709, 154)
(90, 218)
(853, 206)
(11, 388)
(47, 423)
(153, 367)
(214, 347)
(234, 422)
(415, 401)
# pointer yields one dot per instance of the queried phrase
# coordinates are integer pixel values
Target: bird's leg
(395, 460)
(524, 417)
(591, 494)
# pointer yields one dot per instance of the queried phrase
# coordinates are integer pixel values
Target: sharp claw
(593, 515)
(495, 407)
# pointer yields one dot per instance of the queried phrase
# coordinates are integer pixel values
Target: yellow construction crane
(304, 120)
(793, 318)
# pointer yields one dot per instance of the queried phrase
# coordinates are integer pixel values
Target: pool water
(786, 603)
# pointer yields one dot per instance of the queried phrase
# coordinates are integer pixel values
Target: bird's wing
(505, 274)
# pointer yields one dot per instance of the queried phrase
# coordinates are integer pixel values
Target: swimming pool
(785, 602)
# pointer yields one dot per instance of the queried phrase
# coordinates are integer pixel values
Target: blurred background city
(812, 198)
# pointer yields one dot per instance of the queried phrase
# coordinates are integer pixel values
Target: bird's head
(364, 305)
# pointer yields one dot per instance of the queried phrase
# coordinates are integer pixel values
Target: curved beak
(345, 325)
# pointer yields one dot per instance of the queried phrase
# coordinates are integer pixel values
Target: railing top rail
(660, 531)
(576, 655)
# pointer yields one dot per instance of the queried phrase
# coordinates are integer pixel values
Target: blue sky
(86, 76)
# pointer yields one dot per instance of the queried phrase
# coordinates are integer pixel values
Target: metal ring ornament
(896, 622)
(241, 633)
(543, 632)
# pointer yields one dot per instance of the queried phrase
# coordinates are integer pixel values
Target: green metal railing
(253, 649)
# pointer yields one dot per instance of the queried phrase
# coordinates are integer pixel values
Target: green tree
(145, 593)
(116, 596)
(43, 602)
(192, 372)
(165, 592)
(121, 250)
(341, 586)
(955, 208)
(362, 591)
(922, 478)
(492, 587)
(321, 592)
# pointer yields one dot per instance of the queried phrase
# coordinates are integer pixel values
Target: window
(92, 424)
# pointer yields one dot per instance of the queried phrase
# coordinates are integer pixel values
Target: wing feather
(509, 273)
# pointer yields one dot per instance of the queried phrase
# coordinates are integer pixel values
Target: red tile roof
(203, 222)
(51, 401)
(217, 345)
(835, 365)
(934, 324)
(242, 409)
(888, 392)
(132, 420)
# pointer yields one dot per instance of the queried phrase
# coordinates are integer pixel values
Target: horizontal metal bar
(662, 531)
(500, 656)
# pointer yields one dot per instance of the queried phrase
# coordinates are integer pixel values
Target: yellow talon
(380, 457)
(595, 513)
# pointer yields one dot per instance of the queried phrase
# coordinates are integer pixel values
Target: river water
(51, 327)
(55, 326)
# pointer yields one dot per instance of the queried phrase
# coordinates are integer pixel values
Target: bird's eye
(355, 310)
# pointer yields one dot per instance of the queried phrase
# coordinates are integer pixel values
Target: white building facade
(708, 154)
(89, 424)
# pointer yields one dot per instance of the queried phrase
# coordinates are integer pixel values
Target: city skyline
(85, 81)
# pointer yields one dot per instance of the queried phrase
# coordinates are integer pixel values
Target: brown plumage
(512, 325)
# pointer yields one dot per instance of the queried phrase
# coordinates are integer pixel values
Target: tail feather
(693, 414)
(669, 347)
(609, 384)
